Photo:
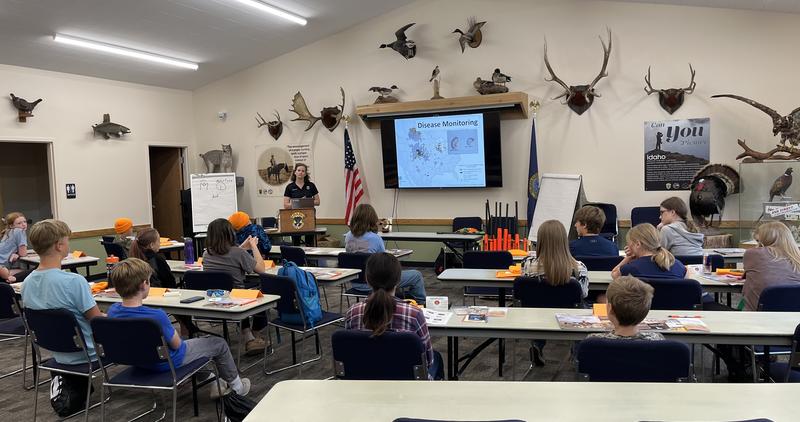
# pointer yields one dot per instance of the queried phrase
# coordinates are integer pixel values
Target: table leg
(450, 372)
(501, 358)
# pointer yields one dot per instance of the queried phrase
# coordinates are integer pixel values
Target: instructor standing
(301, 187)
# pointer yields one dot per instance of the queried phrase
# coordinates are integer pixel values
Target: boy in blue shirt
(131, 279)
(48, 287)
(589, 221)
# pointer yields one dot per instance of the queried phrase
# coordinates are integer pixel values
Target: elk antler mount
(330, 116)
(274, 127)
(580, 97)
(670, 99)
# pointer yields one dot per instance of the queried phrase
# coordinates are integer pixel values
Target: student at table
(776, 261)
(589, 221)
(628, 303)
(132, 282)
(244, 229)
(13, 241)
(645, 257)
(383, 311)
(123, 227)
(5, 275)
(678, 234)
(146, 247)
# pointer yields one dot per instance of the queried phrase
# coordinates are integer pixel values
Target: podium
(298, 220)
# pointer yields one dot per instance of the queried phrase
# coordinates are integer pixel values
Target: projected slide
(445, 151)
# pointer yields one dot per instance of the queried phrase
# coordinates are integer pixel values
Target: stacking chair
(467, 222)
(288, 304)
(294, 254)
(12, 327)
(57, 330)
(137, 343)
(499, 260)
(610, 229)
(784, 298)
(676, 294)
(358, 355)
(600, 263)
(269, 222)
(788, 371)
(107, 239)
(359, 288)
(116, 250)
(207, 280)
(601, 359)
(641, 215)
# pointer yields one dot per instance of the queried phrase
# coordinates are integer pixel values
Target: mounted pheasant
(24, 107)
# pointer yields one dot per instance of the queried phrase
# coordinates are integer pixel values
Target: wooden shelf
(511, 105)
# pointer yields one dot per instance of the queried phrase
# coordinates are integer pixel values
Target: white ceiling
(223, 36)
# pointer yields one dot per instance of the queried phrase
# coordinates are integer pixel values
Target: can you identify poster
(674, 151)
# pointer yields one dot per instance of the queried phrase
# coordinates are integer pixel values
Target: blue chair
(788, 371)
(536, 292)
(676, 294)
(116, 250)
(107, 239)
(294, 254)
(717, 261)
(287, 304)
(610, 227)
(607, 360)
(358, 355)
(467, 222)
(12, 327)
(57, 330)
(269, 222)
(641, 215)
(209, 280)
(359, 288)
(600, 263)
(499, 260)
(784, 298)
(138, 343)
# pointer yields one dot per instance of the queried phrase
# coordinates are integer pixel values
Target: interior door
(166, 182)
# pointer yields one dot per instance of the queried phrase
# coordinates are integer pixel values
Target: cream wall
(742, 52)
(111, 176)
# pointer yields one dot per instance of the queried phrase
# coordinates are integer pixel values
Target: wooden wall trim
(102, 232)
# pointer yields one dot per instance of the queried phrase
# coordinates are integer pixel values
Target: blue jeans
(410, 281)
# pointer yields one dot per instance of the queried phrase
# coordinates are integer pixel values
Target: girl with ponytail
(645, 257)
(146, 247)
(678, 234)
(383, 312)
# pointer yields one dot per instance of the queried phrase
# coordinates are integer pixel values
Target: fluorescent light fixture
(274, 11)
(123, 51)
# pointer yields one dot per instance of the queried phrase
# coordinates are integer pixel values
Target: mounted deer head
(670, 99)
(580, 97)
(274, 127)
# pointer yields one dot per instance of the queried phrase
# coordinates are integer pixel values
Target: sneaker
(216, 393)
(254, 346)
(245, 387)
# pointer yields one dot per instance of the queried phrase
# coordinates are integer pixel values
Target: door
(166, 182)
(25, 179)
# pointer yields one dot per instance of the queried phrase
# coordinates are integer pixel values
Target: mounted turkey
(709, 188)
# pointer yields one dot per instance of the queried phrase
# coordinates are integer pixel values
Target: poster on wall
(275, 165)
(674, 151)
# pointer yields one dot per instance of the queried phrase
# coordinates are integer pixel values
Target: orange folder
(157, 291)
(268, 263)
(99, 287)
(77, 254)
(600, 310)
(246, 294)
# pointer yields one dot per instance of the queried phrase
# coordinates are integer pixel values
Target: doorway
(25, 179)
(166, 182)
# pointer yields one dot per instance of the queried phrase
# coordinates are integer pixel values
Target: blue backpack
(307, 292)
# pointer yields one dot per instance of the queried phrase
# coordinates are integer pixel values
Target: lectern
(299, 220)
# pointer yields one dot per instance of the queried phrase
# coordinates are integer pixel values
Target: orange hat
(239, 219)
(122, 225)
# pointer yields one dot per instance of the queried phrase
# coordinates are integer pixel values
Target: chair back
(355, 260)
(56, 330)
(269, 222)
(294, 254)
(641, 215)
(500, 260)
(600, 263)
(717, 261)
(784, 298)
(116, 250)
(7, 301)
(205, 280)
(285, 288)
(358, 355)
(467, 222)
(610, 228)
(677, 294)
(536, 292)
(108, 239)
(129, 341)
(609, 360)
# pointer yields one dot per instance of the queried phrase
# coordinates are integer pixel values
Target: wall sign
(674, 151)
(71, 192)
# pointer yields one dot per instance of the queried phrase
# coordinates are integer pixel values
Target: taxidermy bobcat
(219, 161)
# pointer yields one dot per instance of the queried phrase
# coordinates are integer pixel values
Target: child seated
(244, 229)
(124, 229)
(628, 304)
(50, 288)
(5, 274)
(131, 279)
(589, 221)
(646, 258)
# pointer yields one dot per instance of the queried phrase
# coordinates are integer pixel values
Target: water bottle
(188, 250)
(706, 263)
(110, 262)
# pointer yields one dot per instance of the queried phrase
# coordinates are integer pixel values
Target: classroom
(308, 182)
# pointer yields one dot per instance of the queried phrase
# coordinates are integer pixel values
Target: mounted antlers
(670, 99)
(580, 97)
(330, 116)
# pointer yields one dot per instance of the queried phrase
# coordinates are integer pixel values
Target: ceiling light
(274, 11)
(123, 51)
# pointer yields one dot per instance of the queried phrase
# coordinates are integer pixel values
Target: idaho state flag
(533, 174)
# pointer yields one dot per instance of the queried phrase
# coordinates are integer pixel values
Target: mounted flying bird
(407, 48)
(274, 127)
(24, 107)
(580, 97)
(473, 36)
(670, 99)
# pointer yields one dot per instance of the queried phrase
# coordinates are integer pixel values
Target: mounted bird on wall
(330, 116)
(670, 99)
(24, 107)
(472, 36)
(107, 128)
(274, 127)
(580, 97)
(709, 188)
(407, 48)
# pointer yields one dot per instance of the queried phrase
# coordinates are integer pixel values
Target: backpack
(68, 394)
(307, 292)
(237, 407)
(446, 260)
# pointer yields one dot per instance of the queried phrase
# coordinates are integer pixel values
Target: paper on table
(246, 293)
(435, 317)
(157, 292)
(268, 263)
(77, 254)
(600, 310)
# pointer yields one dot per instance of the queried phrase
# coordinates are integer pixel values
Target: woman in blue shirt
(363, 237)
(646, 258)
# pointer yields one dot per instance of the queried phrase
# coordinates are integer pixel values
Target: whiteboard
(213, 196)
(558, 196)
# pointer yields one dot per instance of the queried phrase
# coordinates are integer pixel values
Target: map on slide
(445, 151)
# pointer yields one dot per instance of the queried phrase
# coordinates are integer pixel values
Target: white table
(368, 401)
(319, 252)
(68, 263)
(331, 276)
(456, 242)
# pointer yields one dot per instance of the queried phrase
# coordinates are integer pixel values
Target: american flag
(353, 190)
